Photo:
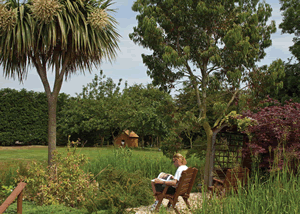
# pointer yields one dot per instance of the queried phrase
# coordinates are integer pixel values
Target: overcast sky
(128, 64)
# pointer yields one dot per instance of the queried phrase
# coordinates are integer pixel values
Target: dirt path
(195, 202)
(21, 147)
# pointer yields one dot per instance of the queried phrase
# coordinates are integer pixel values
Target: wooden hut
(127, 139)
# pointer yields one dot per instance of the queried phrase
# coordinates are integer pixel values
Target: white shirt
(179, 170)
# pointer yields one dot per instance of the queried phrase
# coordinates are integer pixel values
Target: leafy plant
(119, 190)
(64, 182)
(276, 133)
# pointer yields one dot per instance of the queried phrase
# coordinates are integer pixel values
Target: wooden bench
(234, 178)
(183, 189)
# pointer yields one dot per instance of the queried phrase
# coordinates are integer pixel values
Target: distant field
(150, 160)
(26, 153)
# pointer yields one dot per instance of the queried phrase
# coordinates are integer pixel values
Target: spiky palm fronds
(66, 39)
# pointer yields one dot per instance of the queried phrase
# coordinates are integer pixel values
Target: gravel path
(195, 202)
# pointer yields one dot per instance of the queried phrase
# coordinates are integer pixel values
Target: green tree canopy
(66, 36)
(291, 84)
(95, 113)
(206, 42)
(290, 23)
(149, 111)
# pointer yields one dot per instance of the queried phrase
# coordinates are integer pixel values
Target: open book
(164, 177)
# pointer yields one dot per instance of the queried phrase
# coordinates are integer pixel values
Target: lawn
(148, 162)
(278, 193)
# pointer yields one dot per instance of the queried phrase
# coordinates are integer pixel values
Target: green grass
(278, 193)
(150, 162)
(31, 208)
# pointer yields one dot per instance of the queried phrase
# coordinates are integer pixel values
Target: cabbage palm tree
(64, 36)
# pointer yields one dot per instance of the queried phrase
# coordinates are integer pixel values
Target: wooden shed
(127, 139)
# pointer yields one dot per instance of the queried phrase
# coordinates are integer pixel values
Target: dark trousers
(160, 187)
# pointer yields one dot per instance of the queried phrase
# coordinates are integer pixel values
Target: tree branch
(228, 105)
(59, 76)
(41, 70)
(194, 82)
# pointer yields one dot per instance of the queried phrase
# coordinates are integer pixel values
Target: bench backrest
(236, 177)
(186, 182)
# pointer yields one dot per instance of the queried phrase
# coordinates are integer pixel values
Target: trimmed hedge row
(24, 116)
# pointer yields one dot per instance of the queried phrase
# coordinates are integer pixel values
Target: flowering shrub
(64, 182)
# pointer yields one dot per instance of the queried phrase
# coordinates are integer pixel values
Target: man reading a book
(158, 185)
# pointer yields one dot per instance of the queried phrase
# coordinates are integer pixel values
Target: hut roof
(131, 134)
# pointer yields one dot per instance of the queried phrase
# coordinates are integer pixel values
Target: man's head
(179, 160)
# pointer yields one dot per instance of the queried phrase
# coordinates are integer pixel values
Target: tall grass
(279, 193)
(149, 163)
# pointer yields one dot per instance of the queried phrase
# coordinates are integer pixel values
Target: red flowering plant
(275, 137)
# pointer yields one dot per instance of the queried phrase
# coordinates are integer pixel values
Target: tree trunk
(207, 170)
(143, 142)
(52, 104)
(152, 141)
(102, 141)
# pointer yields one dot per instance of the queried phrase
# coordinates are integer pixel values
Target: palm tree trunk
(52, 104)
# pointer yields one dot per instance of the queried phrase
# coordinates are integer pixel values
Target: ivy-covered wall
(24, 117)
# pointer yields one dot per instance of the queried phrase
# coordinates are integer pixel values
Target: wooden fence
(18, 192)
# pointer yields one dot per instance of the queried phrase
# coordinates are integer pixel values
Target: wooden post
(16, 193)
(19, 203)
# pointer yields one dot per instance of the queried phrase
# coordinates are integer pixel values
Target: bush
(62, 183)
(276, 134)
(119, 190)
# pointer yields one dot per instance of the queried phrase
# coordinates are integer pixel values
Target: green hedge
(24, 116)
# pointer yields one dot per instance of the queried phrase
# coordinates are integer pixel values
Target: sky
(128, 64)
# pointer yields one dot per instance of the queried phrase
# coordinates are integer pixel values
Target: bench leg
(187, 202)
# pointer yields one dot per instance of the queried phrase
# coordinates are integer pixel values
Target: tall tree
(63, 35)
(149, 111)
(290, 23)
(204, 41)
(96, 111)
(291, 84)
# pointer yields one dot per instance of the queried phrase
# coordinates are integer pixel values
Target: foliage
(279, 193)
(122, 190)
(172, 144)
(61, 183)
(59, 34)
(5, 191)
(291, 84)
(30, 127)
(290, 23)
(124, 163)
(212, 44)
(31, 208)
(276, 132)
(95, 114)
(199, 147)
(149, 111)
